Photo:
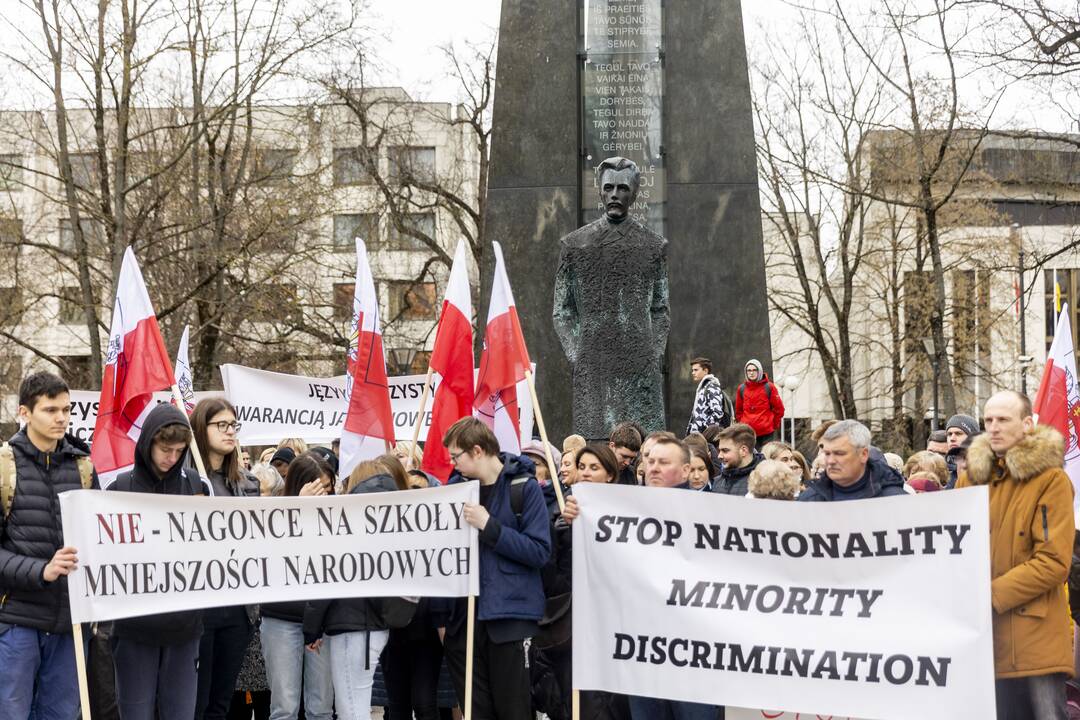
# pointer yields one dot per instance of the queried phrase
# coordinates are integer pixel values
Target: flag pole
(470, 628)
(575, 704)
(178, 400)
(423, 406)
(80, 669)
(544, 437)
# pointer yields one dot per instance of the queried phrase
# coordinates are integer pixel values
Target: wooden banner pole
(80, 668)
(552, 470)
(470, 629)
(423, 407)
(178, 400)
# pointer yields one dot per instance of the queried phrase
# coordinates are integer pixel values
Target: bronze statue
(611, 310)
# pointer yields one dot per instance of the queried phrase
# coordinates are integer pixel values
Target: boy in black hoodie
(156, 655)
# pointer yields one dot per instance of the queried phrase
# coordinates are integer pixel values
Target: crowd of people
(339, 657)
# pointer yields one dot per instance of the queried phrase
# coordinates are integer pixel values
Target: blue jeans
(286, 663)
(156, 680)
(1039, 697)
(643, 708)
(39, 678)
(352, 665)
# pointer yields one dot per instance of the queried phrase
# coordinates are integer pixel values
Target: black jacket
(333, 617)
(735, 481)
(32, 534)
(164, 628)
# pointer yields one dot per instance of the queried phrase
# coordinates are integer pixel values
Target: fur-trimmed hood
(1040, 450)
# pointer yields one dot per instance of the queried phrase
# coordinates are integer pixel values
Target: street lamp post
(931, 353)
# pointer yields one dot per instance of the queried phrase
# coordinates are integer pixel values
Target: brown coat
(1031, 538)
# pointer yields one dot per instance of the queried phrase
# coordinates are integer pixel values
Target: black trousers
(501, 688)
(221, 653)
(411, 662)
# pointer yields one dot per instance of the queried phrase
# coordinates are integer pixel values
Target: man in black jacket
(36, 650)
(155, 654)
(735, 446)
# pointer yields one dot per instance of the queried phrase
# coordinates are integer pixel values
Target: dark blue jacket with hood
(882, 481)
(513, 549)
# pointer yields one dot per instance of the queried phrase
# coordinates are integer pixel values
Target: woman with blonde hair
(926, 461)
(297, 445)
(409, 455)
(773, 480)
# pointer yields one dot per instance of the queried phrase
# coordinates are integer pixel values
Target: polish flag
(182, 371)
(452, 359)
(1058, 401)
(503, 363)
(369, 424)
(136, 366)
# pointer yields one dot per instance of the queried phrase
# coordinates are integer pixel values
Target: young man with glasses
(514, 544)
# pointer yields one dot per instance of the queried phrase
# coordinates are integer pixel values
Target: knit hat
(326, 454)
(754, 363)
(285, 455)
(965, 422)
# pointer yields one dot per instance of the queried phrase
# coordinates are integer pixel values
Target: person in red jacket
(758, 403)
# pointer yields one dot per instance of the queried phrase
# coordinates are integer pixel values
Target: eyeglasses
(455, 456)
(225, 426)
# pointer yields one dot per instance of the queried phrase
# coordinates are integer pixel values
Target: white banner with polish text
(142, 554)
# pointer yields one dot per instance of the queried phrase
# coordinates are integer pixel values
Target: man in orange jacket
(1031, 540)
(758, 403)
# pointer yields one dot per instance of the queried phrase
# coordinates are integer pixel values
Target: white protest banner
(141, 554)
(84, 409)
(735, 713)
(876, 608)
(271, 406)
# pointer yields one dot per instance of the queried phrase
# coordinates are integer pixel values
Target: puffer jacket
(32, 534)
(736, 481)
(759, 405)
(172, 628)
(883, 481)
(1031, 540)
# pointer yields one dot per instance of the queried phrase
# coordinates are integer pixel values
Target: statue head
(618, 180)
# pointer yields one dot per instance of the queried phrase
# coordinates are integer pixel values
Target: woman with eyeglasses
(226, 630)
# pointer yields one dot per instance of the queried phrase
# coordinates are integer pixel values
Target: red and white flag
(452, 359)
(369, 423)
(182, 371)
(136, 365)
(1058, 401)
(503, 363)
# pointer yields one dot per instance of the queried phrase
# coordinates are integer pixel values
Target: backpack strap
(7, 478)
(768, 392)
(86, 471)
(517, 496)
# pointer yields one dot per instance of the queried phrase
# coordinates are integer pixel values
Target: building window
(411, 301)
(84, 170)
(11, 238)
(350, 165)
(343, 300)
(71, 306)
(273, 166)
(90, 231)
(411, 164)
(78, 375)
(11, 306)
(356, 225)
(1068, 281)
(11, 172)
(422, 222)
